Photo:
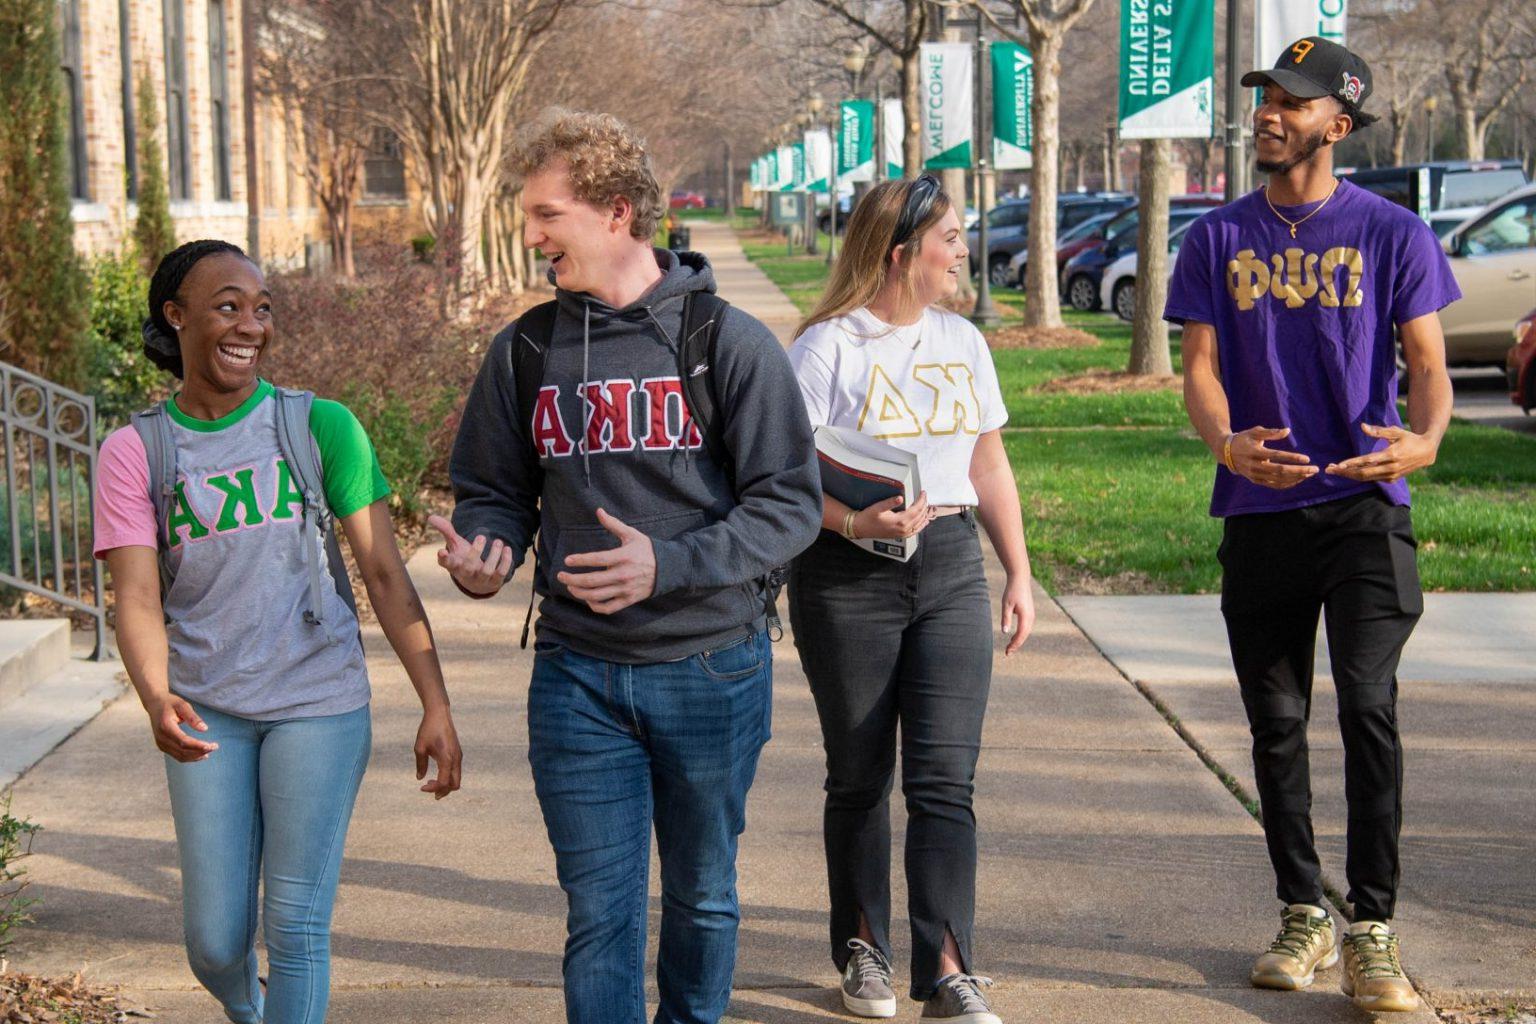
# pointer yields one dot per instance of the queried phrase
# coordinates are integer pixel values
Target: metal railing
(48, 441)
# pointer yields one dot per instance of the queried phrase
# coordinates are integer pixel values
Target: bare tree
(1405, 55)
(1486, 47)
(451, 69)
(321, 90)
(1048, 22)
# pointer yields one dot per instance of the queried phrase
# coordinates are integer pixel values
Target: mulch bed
(1111, 382)
(28, 999)
(1041, 338)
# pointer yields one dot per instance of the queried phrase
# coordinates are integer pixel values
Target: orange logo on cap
(1301, 50)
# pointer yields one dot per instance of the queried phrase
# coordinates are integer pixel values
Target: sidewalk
(1119, 881)
(1467, 711)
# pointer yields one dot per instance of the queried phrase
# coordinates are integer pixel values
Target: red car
(1521, 363)
(687, 200)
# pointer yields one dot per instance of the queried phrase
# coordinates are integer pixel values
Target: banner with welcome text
(1167, 69)
(948, 77)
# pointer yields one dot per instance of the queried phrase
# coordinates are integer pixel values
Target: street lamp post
(1430, 103)
(804, 120)
(854, 65)
(1234, 126)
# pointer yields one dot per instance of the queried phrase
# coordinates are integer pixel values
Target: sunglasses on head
(922, 194)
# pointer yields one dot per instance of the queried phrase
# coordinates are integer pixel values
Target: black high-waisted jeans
(891, 646)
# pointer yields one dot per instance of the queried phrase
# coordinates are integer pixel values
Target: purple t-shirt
(1305, 327)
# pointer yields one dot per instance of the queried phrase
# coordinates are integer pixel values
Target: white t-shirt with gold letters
(928, 388)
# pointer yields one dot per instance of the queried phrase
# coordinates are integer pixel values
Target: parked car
(1443, 185)
(1443, 222)
(684, 199)
(1493, 257)
(824, 218)
(1118, 292)
(1008, 227)
(1520, 363)
(1083, 274)
(1068, 244)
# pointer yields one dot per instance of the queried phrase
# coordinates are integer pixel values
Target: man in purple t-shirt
(1290, 298)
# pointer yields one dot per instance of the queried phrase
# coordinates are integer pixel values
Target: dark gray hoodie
(644, 464)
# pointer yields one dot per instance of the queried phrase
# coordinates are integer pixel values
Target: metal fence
(48, 440)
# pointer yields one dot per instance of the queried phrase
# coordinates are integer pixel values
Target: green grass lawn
(1126, 510)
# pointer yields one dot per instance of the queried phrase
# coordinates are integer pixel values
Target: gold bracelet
(848, 525)
(1226, 454)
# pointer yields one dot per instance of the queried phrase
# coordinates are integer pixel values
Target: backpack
(703, 313)
(293, 441)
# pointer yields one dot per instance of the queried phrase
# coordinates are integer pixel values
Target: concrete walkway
(1467, 710)
(1119, 880)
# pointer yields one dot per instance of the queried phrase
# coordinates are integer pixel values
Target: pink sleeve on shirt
(125, 513)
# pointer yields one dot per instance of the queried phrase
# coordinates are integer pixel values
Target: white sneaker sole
(1380, 1004)
(964, 1018)
(869, 1007)
(1290, 983)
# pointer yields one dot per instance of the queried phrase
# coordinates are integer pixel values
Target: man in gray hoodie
(650, 696)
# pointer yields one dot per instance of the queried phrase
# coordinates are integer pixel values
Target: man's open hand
(477, 570)
(623, 576)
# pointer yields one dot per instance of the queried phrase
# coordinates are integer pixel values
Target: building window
(74, 95)
(130, 128)
(178, 157)
(218, 88)
(384, 168)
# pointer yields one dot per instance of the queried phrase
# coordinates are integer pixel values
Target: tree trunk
(912, 115)
(1149, 333)
(1043, 298)
(1397, 117)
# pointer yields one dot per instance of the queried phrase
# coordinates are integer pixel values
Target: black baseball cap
(1314, 67)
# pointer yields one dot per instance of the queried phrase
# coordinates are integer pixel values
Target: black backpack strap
(703, 313)
(532, 335)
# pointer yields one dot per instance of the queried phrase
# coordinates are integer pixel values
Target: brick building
(195, 55)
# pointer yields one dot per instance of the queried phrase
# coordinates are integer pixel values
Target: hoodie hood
(681, 273)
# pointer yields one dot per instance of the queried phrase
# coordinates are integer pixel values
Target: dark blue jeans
(615, 748)
(904, 649)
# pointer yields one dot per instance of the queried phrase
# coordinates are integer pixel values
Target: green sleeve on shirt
(353, 479)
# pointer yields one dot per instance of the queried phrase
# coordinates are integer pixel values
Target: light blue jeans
(269, 808)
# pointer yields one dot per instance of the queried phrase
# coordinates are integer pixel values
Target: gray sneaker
(866, 986)
(958, 1000)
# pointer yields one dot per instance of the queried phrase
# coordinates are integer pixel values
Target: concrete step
(51, 709)
(30, 650)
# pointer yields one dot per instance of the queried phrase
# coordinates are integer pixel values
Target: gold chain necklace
(1294, 224)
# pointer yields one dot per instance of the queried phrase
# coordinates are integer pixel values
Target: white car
(1118, 290)
(1493, 257)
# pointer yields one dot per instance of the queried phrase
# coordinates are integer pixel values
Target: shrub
(422, 246)
(152, 230)
(405, 451)
(122, 379)
(42, 288)
(15, 845)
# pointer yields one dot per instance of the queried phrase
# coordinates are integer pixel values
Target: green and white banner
(1013, 89)
(894, 131)
(948, 79)
(818, 159)
(856, 141)
(1167, 69)
(1279, 23)
(797, 168)
(783, 169)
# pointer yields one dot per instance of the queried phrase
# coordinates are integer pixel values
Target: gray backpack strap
(153, 425)
(299, 452)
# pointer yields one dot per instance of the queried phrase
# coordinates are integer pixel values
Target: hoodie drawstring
(586, 350)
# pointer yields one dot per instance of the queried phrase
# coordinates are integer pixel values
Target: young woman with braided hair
(256, 692)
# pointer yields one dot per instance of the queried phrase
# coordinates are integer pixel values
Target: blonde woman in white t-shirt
(892, 646)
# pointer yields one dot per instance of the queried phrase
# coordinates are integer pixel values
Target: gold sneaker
(1373, 976)
(1305, 945)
